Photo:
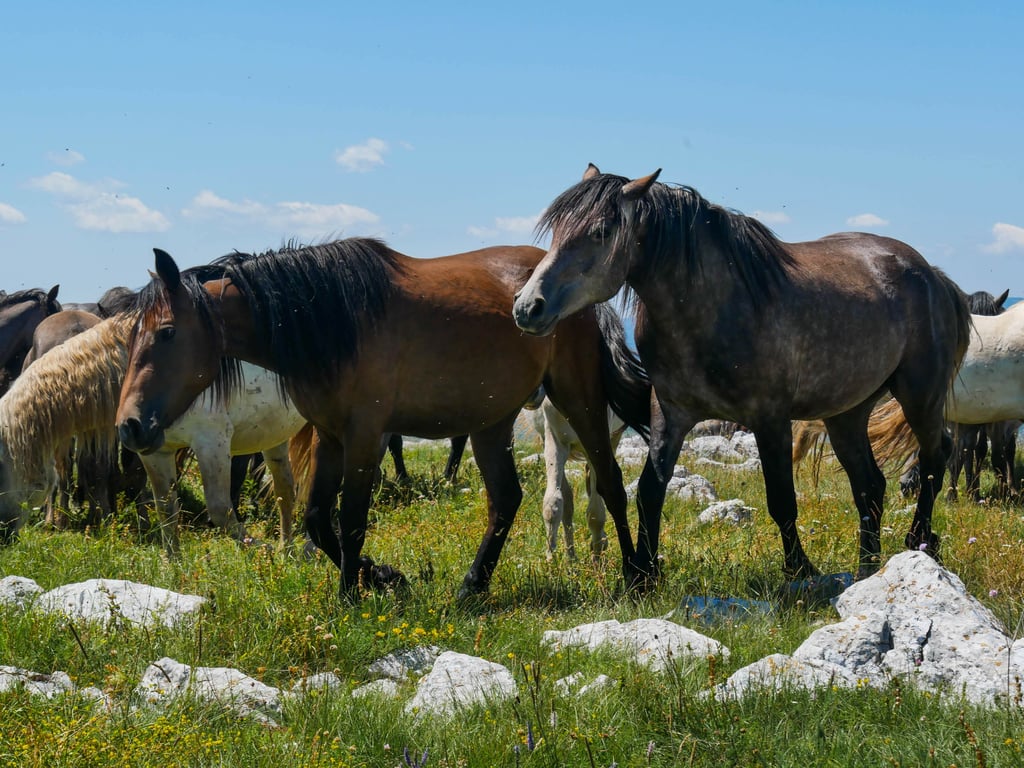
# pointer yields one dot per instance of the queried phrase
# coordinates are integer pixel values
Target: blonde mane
(72, 390)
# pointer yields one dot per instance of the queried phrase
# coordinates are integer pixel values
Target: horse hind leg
(849, 437)
(493, 451)
(925, 421)
(597, 515)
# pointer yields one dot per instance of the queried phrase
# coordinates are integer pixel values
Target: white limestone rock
(458, 681)
(104, 600)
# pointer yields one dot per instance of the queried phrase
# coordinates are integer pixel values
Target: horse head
(596, 239)
(173, 337)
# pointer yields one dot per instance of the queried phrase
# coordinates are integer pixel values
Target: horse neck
(241, 338)
(685, 289)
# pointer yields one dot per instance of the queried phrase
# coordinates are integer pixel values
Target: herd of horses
(353, 344)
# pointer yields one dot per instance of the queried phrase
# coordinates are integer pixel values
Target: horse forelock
(72, 390)
(315, 303)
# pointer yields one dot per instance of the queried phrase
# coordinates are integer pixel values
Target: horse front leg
(492, 449)
(213, 455)
(162, 473)
(360, 468)
(328, 470)
(669, 426)
(775, 447)
(558, 501)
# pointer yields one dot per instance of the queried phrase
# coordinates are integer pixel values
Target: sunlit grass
(277, 617)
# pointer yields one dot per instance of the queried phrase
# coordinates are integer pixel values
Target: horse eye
(166, 333)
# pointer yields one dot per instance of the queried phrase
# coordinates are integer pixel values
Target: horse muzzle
(531, 314)
(139, 437)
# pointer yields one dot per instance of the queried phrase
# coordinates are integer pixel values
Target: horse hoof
(641, 580)
(929, 545)
(381, 578)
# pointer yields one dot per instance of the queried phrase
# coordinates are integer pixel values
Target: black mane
(984, 303)
(37, 295)
(313, 303)
(678, 221)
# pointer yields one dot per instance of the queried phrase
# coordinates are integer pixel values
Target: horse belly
(987, 391)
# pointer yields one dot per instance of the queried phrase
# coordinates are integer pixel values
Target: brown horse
(369, 341)
(20, 313)
(734, 324)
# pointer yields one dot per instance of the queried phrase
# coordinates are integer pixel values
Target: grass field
(278, 617)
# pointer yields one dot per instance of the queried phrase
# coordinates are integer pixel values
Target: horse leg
(978, 456)
(924, 415)
(959, 460)
(395, 449)
(558, 501)
(492, 448)
(213, 455)
(276, 459)
(597, 515)
(775, 447)
(162, 472)
(848, 433)
(360, 465)
(451, 468)
(669, 426)
(328, 468)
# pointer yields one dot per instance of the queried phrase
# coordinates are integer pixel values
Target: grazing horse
(733, 323)
(971, 440)
(988, 387)
(73, 390)
(20, 313)
(369, 341)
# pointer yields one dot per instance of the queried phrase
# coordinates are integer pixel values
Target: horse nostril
(537, 307)
(128, 432)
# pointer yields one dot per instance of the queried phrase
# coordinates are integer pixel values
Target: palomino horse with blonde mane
(734, 324)
(73, 390)
(369, 341)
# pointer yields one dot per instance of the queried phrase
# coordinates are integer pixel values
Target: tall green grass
(277, 617)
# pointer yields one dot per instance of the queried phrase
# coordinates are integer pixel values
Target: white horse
(561, 444)
(74, 389)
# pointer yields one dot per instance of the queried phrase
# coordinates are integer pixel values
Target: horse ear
(52, 295)
(634, 190)
(167, 270)
(591, 172)
(1002, 298)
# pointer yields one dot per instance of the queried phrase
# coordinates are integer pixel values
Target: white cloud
(11, 215)
(66, 158)
(771, 217)
(1005, 238)
(360, 158)
(98, 206)
(301, 218)
(511, 225)
(866, 220)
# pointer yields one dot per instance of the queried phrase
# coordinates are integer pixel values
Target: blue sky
(203, 128)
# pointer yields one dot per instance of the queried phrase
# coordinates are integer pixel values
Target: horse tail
(300, 456)
(810, 437)
(892, 440)
(961, 319)
(626, 382)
